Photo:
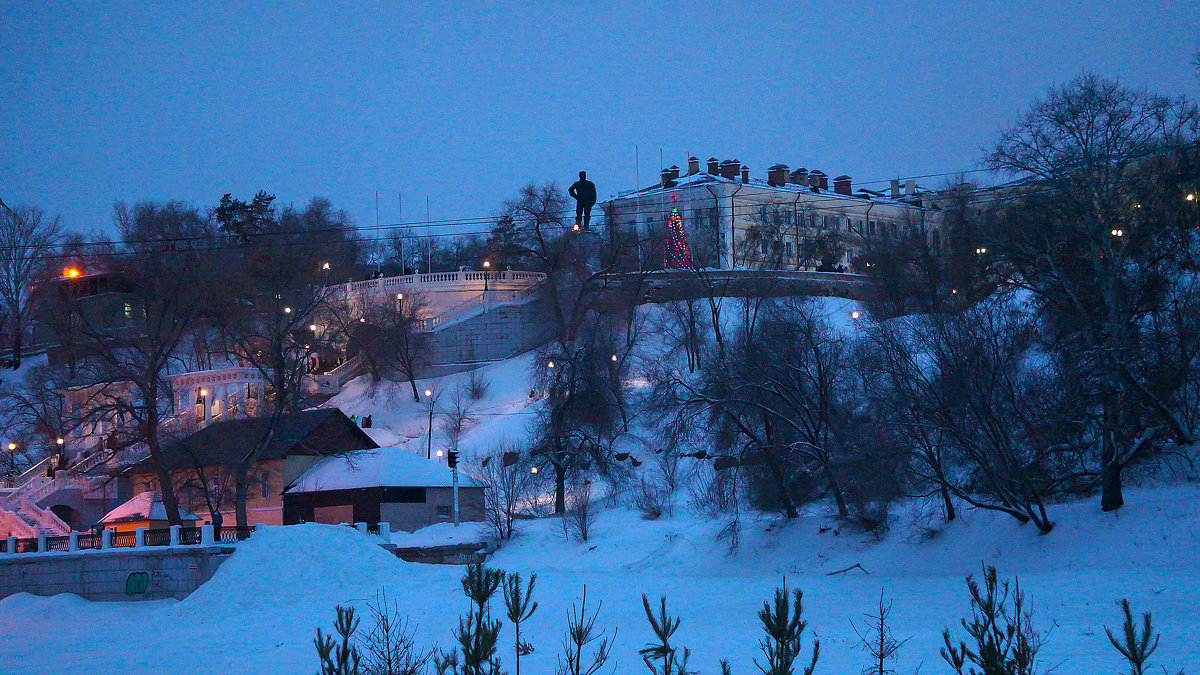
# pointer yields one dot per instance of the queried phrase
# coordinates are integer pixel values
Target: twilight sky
(462, 103)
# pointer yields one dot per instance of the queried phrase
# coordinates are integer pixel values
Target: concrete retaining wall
(496, 334)
(448, 554)
(126, 574)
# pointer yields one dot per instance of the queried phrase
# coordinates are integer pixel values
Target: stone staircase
(24, 519)
(20, 514)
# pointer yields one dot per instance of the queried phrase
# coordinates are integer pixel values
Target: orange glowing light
(71, 272)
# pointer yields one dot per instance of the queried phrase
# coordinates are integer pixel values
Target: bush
(509, 487)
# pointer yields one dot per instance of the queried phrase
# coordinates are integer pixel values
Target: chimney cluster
(693, 166)
(713, 165)
(818, 180)
(777, 175)
(841, 185)
(669, 176)
(730, 169)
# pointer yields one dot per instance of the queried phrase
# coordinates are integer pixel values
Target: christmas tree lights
(677, 255)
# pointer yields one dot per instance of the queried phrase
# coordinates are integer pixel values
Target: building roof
(144, 506)
(310, 433)
(703, 177)
(380, 467)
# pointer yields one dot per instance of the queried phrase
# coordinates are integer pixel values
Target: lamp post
(486, 265)
(12, 462)
(429, 441)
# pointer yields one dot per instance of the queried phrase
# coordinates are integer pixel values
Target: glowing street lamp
(1191, 197)
(614, 358)
(486, 265)
(854, 315)
(550, 364)
(324, 266)
(71, 272)
(1118, 233)
(60, 440)
(287, 310)
(533, 470)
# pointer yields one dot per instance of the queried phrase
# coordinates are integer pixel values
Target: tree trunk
(837, 491)
(560, 488)
(947, 504)
(16, 350)
(1111, 497)
(166, 490)
(412, 381)
(241, 488)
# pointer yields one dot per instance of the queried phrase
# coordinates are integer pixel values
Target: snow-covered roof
(144, 506)
(378, 467)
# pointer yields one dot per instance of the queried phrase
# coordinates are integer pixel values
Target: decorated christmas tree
(677, 255)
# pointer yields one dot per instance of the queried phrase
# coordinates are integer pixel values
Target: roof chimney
(665, 178)
(910, 188)
(777, 175)
(818, 179)
(693, 166)
(674, 169)
(799, 177)
(713, 165)
(745, 174)
(730, 169)
(841, 185)
(895, 188)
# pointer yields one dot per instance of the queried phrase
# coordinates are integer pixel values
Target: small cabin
(392, 485)
(144, 510)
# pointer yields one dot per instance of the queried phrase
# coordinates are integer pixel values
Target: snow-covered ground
(259, 612)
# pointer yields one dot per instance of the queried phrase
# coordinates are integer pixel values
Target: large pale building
(790, 219)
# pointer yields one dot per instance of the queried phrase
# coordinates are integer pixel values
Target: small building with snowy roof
(390, 484)
(144, 510)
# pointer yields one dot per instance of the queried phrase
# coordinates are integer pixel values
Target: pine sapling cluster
(1002, 639)
(1135, 646)
(784, 628)
(519, 603)
(660, 657)
(581, 632)
(339, 657)
(477, 634)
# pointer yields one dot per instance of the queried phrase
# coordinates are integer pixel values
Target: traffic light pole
(454, 474)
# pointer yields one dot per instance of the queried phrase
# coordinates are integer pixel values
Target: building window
(265, 485)
(443, 511)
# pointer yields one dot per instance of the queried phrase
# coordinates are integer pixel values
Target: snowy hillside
(259, 612)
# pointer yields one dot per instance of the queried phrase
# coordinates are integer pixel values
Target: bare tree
(1090, 152)
(388, 333)
(276, 297)
(167, 267)
(27, 237)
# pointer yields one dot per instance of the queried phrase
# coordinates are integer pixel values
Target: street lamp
(486, 265)
(429, 441)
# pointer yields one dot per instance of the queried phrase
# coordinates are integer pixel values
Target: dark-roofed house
(203, 463)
